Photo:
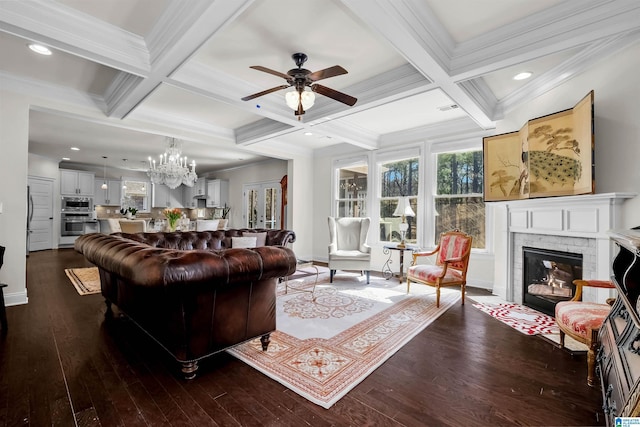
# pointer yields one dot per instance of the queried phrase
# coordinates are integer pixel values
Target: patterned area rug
(552, 335)
(521, 318)
(328, 341)
(85, 280)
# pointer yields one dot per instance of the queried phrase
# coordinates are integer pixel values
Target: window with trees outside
(399, 178)
(459, 199)
(352, 189)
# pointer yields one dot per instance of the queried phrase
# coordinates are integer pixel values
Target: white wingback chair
(348, 249)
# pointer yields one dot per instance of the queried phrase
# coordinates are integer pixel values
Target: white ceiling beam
(68, 30)
(564, 26)
(405, 25)
(181, 30)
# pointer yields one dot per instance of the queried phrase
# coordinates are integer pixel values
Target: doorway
(39, 214)
(262, 205)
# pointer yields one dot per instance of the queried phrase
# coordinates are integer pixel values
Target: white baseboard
(16, 298)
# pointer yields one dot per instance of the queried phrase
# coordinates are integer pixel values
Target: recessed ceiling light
(308, 133)
(523, 76)
(66, 158)
(38, 48)
(75, 149)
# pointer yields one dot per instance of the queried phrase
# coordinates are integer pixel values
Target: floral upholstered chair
(450, 269)
(582, 320)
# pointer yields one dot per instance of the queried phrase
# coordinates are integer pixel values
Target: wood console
(618, 360)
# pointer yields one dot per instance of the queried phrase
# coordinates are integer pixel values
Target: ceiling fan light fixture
(293, 99)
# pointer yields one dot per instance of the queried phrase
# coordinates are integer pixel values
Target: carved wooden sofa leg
(189, 369)
(265, 340)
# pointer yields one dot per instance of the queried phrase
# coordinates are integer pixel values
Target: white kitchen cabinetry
(187, 197)
(76, 183)
(109, 197)
(200, 188)
(164, 197)
(217, 193)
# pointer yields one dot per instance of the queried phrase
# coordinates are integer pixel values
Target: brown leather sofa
(189, 291)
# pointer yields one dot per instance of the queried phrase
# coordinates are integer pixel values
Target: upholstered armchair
(582, 321)
(348, 248)
(451, 263)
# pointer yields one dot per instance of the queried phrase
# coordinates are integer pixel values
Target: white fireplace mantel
(572, 223)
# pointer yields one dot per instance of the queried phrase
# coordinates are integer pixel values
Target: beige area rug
(552, 335)
(85, 280)
(328, 341)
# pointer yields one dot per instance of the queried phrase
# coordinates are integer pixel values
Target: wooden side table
(386, 269)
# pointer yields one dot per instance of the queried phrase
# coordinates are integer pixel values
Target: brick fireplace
(574, 224)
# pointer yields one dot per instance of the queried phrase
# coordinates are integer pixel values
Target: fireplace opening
(548, 277)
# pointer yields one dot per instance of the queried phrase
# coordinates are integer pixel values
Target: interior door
(262, 205)
(40, 214)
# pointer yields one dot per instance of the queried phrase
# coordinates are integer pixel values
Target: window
(459, 199)
(135, 194)
(399, 178)
(351, 180)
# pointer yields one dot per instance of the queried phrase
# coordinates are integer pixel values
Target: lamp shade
(292, 98)
(403, 208)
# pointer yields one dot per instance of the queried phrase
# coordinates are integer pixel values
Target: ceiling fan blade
(264, 92)
(334, 94)
(270, 71)
(336, 70)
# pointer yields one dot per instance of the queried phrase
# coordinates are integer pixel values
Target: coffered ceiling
(125, 74)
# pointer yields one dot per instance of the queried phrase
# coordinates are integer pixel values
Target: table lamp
(403, 209)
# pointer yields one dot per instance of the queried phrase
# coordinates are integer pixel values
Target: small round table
(386, 269)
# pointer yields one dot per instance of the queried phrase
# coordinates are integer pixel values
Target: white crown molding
(68, 30)
(339, 131)
(160, 118)
(478, 90)
(580, 62)
(452, 130)
(41, 89)
(261, 130)
(564, 26)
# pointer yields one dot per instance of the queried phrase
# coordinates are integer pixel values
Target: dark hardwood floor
(62, 364)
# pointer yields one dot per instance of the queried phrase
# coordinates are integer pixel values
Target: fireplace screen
(548, 277)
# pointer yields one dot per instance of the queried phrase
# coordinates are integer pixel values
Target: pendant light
(104, 176)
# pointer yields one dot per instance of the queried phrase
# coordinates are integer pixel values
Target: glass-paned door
(262, 205)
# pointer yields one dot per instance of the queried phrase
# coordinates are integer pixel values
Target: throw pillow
(243, 242)
(261, 238)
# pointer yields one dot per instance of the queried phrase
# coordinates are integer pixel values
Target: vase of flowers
(172, 215)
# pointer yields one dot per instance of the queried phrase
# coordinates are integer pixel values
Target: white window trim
(390, 156)
(433, 151)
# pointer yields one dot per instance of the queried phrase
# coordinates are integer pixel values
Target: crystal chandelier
(172, 169)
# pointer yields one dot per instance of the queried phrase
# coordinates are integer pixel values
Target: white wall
(14, 131)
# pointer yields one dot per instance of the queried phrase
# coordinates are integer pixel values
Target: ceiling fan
(299, 78)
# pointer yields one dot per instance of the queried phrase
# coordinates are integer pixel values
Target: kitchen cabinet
(165, 197)
(109, 197)
(200, 188)
(187, 197)
(217, 193)
(76, 183)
